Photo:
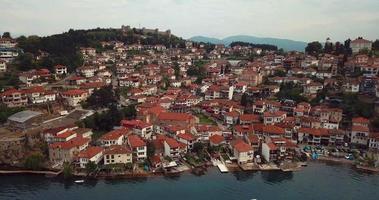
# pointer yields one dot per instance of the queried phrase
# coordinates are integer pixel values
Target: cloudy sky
(305, 20)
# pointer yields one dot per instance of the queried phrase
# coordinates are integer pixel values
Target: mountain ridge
(286, 44)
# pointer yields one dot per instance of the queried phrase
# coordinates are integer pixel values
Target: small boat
(79, 181)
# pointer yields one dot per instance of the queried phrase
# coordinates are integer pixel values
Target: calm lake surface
(317, 181)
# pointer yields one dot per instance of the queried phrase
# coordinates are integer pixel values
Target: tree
(267, 47)
(198, 147)
(375, 45)
(348, 50)
(130, 112)
(102, 98)
(340, 48)
(6, 112)
(34, 161)
(25, 61)
(67, 170)
(166, 82)
(91, 167)
(176, 70)
(150, 149)
(328, 47)
(244, 99)
(314, 48)
(6, 35)
(291, 91)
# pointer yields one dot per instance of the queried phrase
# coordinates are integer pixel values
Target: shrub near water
(34, 161)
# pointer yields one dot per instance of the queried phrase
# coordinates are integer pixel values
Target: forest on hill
(63, 48)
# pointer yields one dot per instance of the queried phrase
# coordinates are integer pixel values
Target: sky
(303, 20)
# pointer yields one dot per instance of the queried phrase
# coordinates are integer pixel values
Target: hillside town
(137, 108)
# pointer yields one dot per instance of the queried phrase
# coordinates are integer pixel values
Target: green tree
(6, 35)
(244, 99)
(102, 98)
(25, 62)
(91, 167)
(67, 170)
(34, 161)
(6, 112)
(198, 147)
(150, 149)
(314, 48)
(291, 91)
(130, 112)
(176, 70)
(375, 45)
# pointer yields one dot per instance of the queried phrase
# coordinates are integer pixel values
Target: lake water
(317, 181)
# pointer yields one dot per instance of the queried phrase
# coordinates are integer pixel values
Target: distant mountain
(288, 45)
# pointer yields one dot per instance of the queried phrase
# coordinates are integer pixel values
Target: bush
(34, 161)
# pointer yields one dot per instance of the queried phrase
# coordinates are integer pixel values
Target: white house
(359, 135)
(117, 154)
(115, 137)
(173, 148)
(75, 96)
(243, 152)
(91, 154)
(138, 146)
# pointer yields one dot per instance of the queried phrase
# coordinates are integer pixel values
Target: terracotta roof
(90, 152)
(216, 139)
(272, 146)
(115, 134)
(174, 116)
(135, 124)
(117, 149)
(241, 146)
(174, 143)
(74, 92)
(186, 136)
(274, 114)
(360, 120)
(75, 142)
(253, 138)
(360, 129)
(135, 141)
(233, 114)
(11, 91)
(272, 129)
(66, 134)
(250, 117)
(315, 131)
(207, 128)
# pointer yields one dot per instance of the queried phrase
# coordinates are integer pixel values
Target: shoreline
(231, 169)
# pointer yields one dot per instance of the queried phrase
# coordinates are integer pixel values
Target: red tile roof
(135, 141)
(186, 136)
(171, 116)
(66, 134)
(74, 92)
(174, 143)
(250, 117)
(241, 146)
(115, 134)
(216, 139)
(90, 152)
(360, 120)
(135, 124)
(75, 142)
(117, 149)
(315, 131)
(360, 129)
(272, 129)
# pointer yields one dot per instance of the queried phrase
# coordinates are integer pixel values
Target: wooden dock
(222, 168)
